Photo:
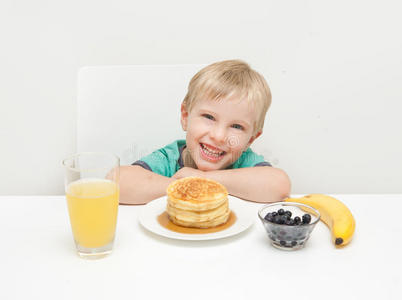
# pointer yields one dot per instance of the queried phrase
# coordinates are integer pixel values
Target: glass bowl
(288, 237)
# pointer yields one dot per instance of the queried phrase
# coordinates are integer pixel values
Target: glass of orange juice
(92, 193)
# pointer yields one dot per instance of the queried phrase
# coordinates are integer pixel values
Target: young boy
(222, 114)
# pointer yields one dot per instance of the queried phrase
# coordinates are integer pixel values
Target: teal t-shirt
(168, 160)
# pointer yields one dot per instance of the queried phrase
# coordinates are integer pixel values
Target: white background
(341, 57)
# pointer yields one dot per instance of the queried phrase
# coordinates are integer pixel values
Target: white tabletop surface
(38, 258)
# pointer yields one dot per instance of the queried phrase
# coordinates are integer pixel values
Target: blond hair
(227, 78)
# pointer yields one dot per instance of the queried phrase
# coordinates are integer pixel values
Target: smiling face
(218, 131)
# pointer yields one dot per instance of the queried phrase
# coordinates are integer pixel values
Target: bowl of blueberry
(288, 224)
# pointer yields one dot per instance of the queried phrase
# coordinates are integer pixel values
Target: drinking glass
(92, 193)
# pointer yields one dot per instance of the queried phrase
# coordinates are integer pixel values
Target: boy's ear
(253, 138)
(184, 116)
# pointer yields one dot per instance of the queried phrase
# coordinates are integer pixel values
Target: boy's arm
(259, 184)
(140, 186)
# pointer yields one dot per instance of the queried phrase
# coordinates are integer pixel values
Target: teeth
(211, 152)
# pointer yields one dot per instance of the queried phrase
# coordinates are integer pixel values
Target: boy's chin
(204, 166)
(206, 169)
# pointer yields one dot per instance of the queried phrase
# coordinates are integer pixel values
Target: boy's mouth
(211, 153)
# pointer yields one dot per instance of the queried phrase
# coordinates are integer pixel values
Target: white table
(38, 259)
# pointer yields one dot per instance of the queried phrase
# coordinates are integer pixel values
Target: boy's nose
(218, 134)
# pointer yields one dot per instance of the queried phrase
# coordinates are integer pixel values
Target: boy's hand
(186, 172)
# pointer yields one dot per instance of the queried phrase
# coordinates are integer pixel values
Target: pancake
(206, 224)
(197, 202)
(197, 216)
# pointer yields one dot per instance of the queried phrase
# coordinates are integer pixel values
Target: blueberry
(281, 212)
(297, 220)
(289, 213)
(280, 220)
(290, 222)
(306, 219)
(283, 243)
(269, 217)
(294, 243)
(274, 213)
(277, 219)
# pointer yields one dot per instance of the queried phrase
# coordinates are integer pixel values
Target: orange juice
(92, 205)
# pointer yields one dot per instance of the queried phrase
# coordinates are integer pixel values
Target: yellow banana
(334, 214)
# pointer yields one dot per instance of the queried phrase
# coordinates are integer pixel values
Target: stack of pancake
(197, 202)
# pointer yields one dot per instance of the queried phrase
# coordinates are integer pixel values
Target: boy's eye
(237, 126)
(208, 116)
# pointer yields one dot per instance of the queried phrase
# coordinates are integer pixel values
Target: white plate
(149, 213)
